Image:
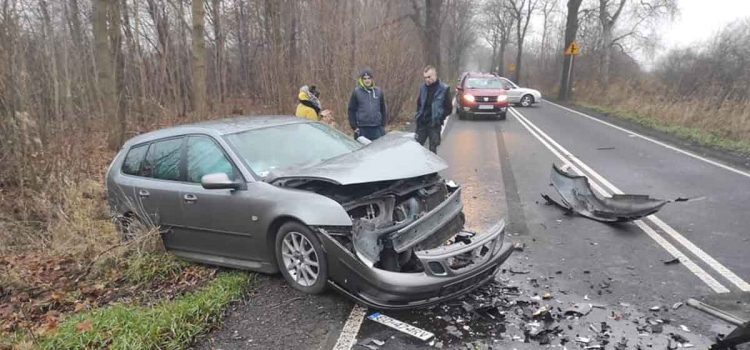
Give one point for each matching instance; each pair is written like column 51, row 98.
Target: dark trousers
column 372, row 133
column 425, row 131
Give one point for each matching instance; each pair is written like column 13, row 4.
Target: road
column 504, row 166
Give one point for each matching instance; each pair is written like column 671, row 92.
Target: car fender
column 310, row 208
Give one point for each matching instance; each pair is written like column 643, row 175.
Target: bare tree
column 498, row 31
column 638, row 13
column 428, row 25
column 571, row 29
column 198, row 57
column 459, row 32
column 521, row 10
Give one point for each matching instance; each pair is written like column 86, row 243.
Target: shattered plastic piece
column 580, row 309
column 739, row 335
column 541, row 311
column 655, row 308
column 672, row 261
column 577, row 196
column 684, row 328
column 584, row 340
column 676, row 306
column 547, row 296
column 378, row 342
column 519, row 246
column 401, row 326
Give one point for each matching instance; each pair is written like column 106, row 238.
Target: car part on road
column 716, row 312
column 578, row 197
column 739, row 335
column 401, row 326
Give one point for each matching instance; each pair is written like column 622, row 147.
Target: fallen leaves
column 85, row 326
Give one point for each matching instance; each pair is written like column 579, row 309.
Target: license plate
column 401, row 326
column 486, row 107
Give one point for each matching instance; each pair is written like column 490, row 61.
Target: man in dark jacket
column 433, row 106
column 367, row 115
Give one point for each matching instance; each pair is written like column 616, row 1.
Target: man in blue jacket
column 433, row 106
column 367, row 114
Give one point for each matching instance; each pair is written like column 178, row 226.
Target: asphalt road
column 503, row 167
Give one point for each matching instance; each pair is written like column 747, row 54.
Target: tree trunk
column 105, row 74
column 117, row 136
column 431, row 39
column 199, row 58
column 571, row 29
column 219, row 55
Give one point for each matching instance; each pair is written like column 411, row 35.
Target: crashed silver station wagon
column 271, row 194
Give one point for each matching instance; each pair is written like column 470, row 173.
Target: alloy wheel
column 300, row 259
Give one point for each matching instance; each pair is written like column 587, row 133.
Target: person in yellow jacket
column 309, row 104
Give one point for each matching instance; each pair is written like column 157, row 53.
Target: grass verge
column 171, row 324
column 695, row 135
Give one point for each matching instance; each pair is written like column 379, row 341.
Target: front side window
column 266, row 149
column 163, row 160
column 134, row 159
column 204, row 156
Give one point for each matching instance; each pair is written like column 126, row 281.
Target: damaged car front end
column 406, row 246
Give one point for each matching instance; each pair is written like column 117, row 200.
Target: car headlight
column 502, row 98
column 469, row 98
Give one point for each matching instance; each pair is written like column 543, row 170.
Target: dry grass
column 704, row 120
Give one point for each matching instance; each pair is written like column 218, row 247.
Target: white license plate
column 401, row 326
column 486, row 107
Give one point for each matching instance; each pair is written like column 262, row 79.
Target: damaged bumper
column 449, row 271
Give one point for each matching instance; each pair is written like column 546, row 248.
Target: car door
column 514, row 93
column 216, row 222
column 157, row 189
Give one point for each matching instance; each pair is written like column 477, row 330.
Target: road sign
column 573, row 49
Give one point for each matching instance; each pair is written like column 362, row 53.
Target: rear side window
column 163, row 160
column 204, row 156
column 134, row 159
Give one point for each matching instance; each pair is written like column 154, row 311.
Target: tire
column 527, row 100
column 298, row 249
column 502, row 116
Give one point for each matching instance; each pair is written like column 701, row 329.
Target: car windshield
column 266, row 149
column 484, row 83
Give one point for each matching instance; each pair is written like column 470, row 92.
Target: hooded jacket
column 367, row 107
column 309, row 106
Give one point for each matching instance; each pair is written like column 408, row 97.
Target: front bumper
column 484, row 109
column 389, row 290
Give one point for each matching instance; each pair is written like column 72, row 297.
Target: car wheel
column 527, row 100
column 301, row 258
column 502, row 116
column 130, row 227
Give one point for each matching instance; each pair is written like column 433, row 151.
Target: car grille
column 485, row 98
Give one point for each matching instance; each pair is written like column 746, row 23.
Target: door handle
column 190, row 198
column 143, row 193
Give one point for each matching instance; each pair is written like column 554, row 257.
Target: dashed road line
column 349, row 333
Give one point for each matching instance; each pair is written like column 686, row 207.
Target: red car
column 481, row 94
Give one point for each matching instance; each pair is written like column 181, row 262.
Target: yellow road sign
column 573, row 49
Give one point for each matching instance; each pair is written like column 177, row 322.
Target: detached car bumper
column 442, row 279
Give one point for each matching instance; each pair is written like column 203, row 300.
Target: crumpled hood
column 391, row 157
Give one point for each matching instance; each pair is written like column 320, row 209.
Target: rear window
column 484, row 83
column 134, row 159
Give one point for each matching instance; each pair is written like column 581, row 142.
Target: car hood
column 391, row 157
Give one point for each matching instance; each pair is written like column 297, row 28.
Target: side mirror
column 459, row 89
column 218, row 181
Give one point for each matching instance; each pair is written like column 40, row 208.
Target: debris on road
column 671, row 261
column 604, row 148
column 401, row 326
column 578, row 197
column 677, row 305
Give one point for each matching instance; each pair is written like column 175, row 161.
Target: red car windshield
column 484, row 83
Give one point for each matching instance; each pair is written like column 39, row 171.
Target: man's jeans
column 425, row 131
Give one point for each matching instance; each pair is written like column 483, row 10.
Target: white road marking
column 442, row 130
column 634, row 134
column 721, row 269
column 349, row 333
column 567, row 160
